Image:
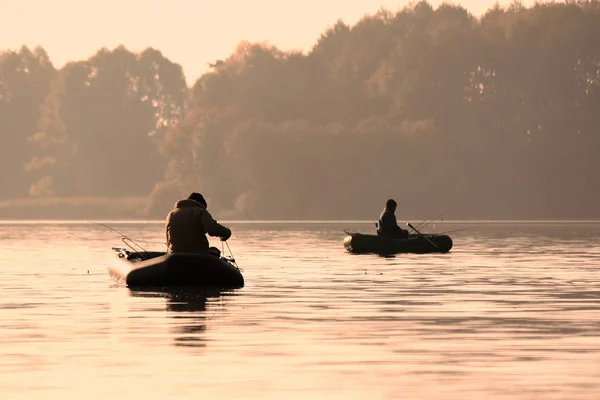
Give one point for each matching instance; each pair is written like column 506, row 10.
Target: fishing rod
column 422, row 222
column 429, row 220
column 421, row 235
column 425, row 222
column 123, row 236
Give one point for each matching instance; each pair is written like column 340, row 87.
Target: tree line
column 490, row 117
column 91, row 128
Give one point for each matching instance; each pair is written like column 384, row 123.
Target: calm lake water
column 512, row 312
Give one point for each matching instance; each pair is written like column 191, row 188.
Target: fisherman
column 188, row 223
column 387, row 225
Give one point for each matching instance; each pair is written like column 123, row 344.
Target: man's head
column 198, row 197
column 391, row 205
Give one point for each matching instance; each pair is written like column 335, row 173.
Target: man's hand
column 224, row 238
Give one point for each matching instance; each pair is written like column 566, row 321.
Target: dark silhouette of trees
column 490, row 117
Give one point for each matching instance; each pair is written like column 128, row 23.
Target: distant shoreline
column 132, row 210
column 132, row 221
column 73, row 208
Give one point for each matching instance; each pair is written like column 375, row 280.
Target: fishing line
column 454, row 230
column 232, row 256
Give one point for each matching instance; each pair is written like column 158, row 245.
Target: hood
column 188, row 203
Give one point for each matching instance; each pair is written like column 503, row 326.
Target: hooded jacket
column 187, row 225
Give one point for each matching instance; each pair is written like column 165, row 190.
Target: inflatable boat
column 159, row 269
column 424, row 243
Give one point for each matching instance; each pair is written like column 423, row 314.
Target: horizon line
column 292, row 221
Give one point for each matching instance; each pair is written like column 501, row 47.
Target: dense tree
column 489, row 117
column 101, row 121
column 24, row 81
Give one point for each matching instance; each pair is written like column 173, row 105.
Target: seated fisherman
column 188, row 223
column 387, row 225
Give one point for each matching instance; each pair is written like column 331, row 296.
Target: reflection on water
column 513, row 311
column 187, row 306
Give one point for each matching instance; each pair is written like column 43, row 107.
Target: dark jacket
column 388, row 226
column 187, row 225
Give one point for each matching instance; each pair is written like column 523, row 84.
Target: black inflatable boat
column 426, row 243
column 159, row 269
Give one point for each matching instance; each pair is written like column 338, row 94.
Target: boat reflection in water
column 188, row 307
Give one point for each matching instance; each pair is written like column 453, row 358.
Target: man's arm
column 397, row 227
column 389, row 223
column 213, row 228
column 393, row 225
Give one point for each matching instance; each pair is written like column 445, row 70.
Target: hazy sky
column 189, row 32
